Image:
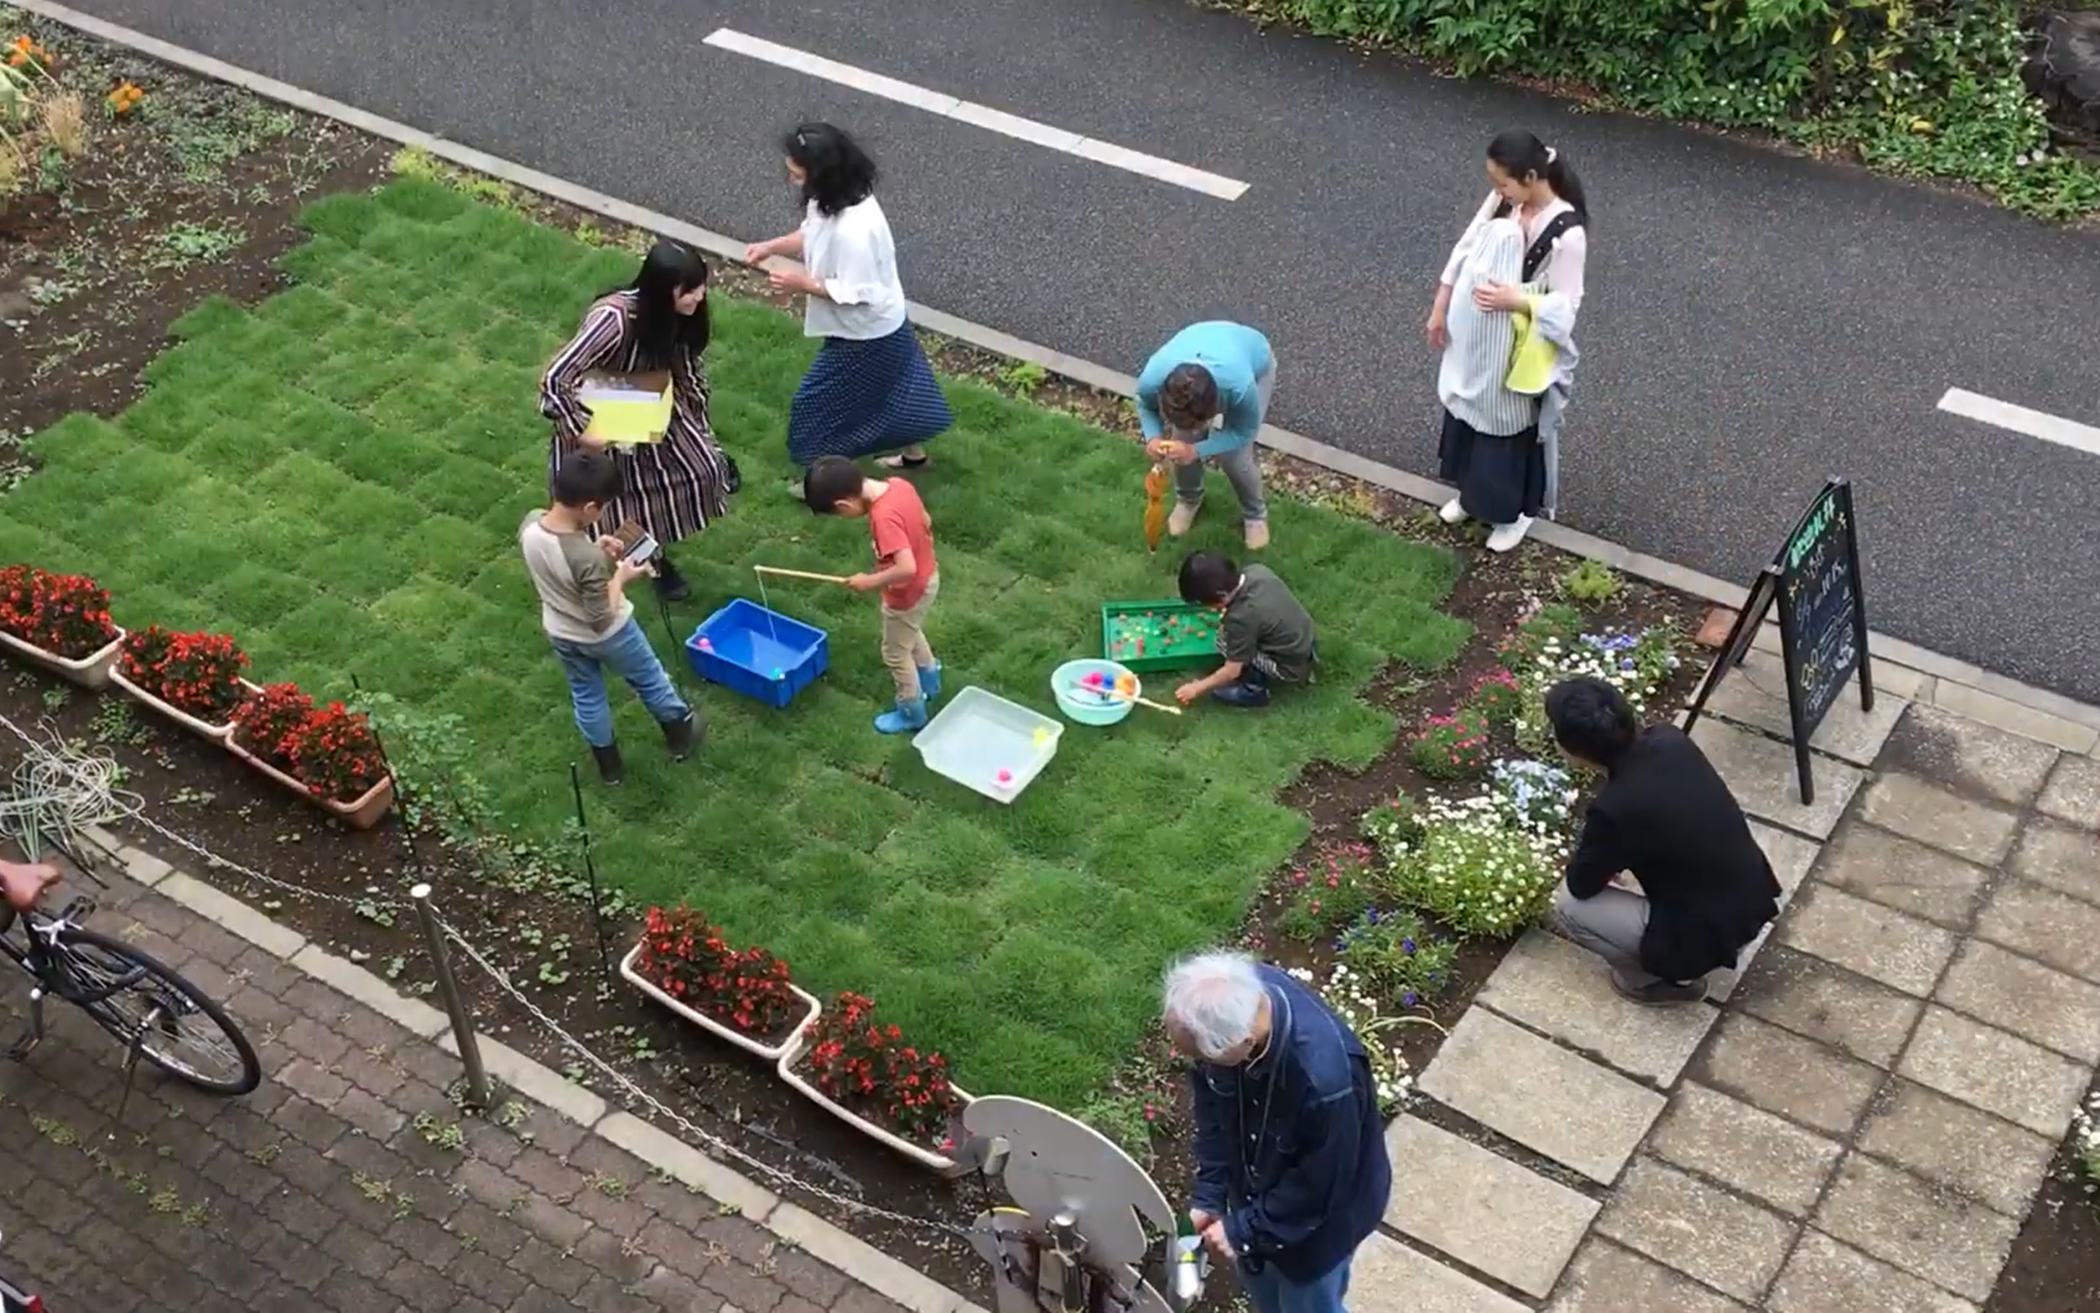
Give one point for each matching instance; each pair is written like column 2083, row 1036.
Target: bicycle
column 144, row 1004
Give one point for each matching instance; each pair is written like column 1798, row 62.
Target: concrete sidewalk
column 1862, row 1121
column 351, row 1182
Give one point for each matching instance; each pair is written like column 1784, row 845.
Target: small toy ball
column 1126, row 684
column 1004, row 777
column 1093, row 677
column 778, row 673
column 704, row 645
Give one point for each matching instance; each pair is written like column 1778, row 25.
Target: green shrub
column 1590, row 583
column 1453, row 747
column 1327, row 894
column 1477, row 874
column 1394, row 825
column 1930, row 87
column 1497, row 697
column 1395, row 952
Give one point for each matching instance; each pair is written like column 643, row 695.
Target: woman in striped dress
column 670, row 488
column 870, row 388
column 1526, row 247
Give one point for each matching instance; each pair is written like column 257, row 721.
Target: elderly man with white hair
column 1291, row 1166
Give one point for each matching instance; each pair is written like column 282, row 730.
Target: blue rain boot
column 904, row 718
column 930, row 681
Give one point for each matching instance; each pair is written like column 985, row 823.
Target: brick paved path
column 349, row 1181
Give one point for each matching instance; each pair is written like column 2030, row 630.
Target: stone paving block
column 2054, row 1010
column 1754, row 694
column 1761, row 772
column 2001, row 713
column 1901, row 873
column 1746, row 1148
column 1974, row 1153
column 1878, row 942
column 2073, row 792
column 2045, row 925
column 1918, row 1227
column 1554, row 987
column 1541, row 1095
column 1915, row 809
column 1387, row 1274
column 1482, row 1209
column 1969, row 757
column 1705, row 1233
column 1781, row 1072
column 1606, row 1278
column 2064, row 857
column 1824, row 1276
column 1851, row 1013
column 1979, row 1065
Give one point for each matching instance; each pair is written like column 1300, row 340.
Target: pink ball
column 1005, row 777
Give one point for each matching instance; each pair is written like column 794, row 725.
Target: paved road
column 1754, row 322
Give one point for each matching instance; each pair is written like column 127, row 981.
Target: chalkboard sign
column 1815, row 582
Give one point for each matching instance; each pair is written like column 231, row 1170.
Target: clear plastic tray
column 986, row 743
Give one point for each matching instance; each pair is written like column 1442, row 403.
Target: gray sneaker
column 1660, row 993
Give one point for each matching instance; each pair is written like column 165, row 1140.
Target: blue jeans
column 627, row 652
column 1272, row 1292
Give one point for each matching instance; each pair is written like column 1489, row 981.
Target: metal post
column 590, row 872
column 478, row 1095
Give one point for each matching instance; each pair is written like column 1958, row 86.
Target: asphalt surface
column 1754, row 322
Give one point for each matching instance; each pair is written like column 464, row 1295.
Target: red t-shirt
column 899, row 522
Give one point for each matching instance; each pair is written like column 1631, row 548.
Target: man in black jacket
column 1665, row 817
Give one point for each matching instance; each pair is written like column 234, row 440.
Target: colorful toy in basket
column 1161, row 635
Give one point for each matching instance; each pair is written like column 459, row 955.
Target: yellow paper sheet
column 625, row 415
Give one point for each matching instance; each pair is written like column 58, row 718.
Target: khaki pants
column 904, row 648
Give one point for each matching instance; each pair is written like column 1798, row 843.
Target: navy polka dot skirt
column 862, row 397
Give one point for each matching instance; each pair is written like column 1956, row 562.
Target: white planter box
column 719, row 1029
column 90, row 671
column 926, row 1157
column 219, row 734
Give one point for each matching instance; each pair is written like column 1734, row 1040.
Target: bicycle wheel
column 177, row 1027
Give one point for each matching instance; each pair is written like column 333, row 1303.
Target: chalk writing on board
column 1821, row 606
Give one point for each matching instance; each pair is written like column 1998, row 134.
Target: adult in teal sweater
column 1215, row 373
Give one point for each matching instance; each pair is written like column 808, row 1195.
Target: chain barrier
column 636, row 1094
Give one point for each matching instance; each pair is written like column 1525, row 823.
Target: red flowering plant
column 1453, row 747
column 335, row 753
column 267, row 717
column 66, row 615
column 689, row 959
column 195, row 673
column 858, row 1061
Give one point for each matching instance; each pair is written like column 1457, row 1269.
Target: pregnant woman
column 1524, row 252
column 870, row 388
column 673, row 487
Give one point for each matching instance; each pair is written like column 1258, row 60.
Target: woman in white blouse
column 1501, row 448
column 870, row 388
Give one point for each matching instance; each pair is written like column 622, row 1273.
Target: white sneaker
column 1507, row 536
column 1257, row 534
column 1452, row 512
column 1181, row 518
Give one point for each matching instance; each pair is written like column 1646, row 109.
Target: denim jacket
column 1290, row 1149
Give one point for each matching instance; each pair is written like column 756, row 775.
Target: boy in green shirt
column 1265, row 635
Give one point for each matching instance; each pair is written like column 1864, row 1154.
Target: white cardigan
column 855, row 257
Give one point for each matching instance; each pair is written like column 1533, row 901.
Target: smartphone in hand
column 641, row 552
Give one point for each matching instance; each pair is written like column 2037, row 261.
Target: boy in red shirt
column 905, row 572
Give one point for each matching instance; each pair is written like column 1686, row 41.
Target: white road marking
column 983, row 116
column 2019, row 419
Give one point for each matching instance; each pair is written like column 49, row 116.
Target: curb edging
column 599, row 1117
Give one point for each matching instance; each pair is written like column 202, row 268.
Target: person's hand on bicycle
column 22, row 884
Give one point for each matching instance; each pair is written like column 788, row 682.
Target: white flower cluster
column 1478, row 869
column 2085, row 1141
column 1355, row 1004
column 1636, row 664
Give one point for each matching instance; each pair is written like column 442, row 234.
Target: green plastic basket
column 1173, row 633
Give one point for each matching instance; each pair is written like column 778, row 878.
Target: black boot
column 732, row 477
column 670, row 585
column 683, row 737
column 609, row 768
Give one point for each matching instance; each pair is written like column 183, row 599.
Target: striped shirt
column 1470, row 379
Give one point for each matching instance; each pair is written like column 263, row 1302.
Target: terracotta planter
column 221, row 734
column 722, row 1030
column 925, row 1157
column 366, row 811
column 90, row 671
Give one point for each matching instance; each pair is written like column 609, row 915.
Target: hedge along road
column 1755, row 322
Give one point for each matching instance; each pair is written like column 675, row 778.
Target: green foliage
column 1924, row 87
column 380, row 541
column 1590, row 583
column 1396, row 953
column 1328, row 893
column 1394, row 824
column 1477, row 873
column 1497, row 697
column 1453, row 747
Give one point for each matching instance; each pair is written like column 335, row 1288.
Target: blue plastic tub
column 1089, row 706
column 759, row 653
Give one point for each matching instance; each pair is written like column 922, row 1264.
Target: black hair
column 1189, row 396
column 1522, row 155
column 839, row 172
column 586, row 477
column 1591, row 719
column 1207, row 578
column 830, row 481
column 669, row 269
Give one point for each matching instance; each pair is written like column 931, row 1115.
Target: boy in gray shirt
column 1266, row 635
column 584, row 608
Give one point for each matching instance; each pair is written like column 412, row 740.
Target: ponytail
column 1561, row 178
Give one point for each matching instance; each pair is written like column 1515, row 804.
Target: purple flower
column 1408, row 999
column 1407, row 945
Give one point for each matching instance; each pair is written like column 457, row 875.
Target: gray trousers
column 1609, row 925
column 1242, row 465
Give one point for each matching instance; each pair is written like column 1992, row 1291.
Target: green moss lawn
column 336, row 479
